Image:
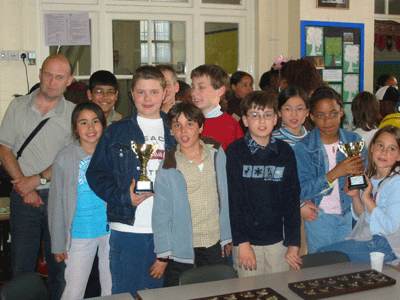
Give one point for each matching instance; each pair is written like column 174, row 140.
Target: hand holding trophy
column 357, row 181
column 144, row 152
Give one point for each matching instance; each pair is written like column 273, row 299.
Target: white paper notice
column 79, row 33
column 55, row 29
column 67, row 29
column 332, row 75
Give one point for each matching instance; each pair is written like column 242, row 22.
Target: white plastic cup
column 377, row 260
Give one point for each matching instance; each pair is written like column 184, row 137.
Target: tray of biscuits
column 258, row 294
column 342, row 284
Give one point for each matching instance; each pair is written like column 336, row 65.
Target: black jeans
column 210, row 256
column 28, row 224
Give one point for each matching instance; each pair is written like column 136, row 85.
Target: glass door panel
column 124, row 104
column 222, row 45
column 394, row 7
column 126, row 45
column 133, row 39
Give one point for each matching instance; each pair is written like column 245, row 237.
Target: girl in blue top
column 377, row 207
column 77, row 217
column 293, row 111
column 322, row 171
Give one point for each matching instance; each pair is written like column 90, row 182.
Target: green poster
column 333, row 52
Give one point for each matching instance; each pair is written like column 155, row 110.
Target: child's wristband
column 163, row 259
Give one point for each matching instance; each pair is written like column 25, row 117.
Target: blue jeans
column 131, row 257
column 327, row 229
column 28, row 224
column 359, row 251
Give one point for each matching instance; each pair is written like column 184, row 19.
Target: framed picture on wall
column 333, row 3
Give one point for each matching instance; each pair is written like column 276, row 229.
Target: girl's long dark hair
column 371, row 168
column 365, row 109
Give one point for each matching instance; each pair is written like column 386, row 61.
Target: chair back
column 26, row 286
column 206, row 274
column 323, row 259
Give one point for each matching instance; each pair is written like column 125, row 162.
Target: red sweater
column 224, row 129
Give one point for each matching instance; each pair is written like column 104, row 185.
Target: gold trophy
column 357, row 181
column 144, row 152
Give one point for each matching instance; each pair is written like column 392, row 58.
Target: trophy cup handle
column 362, row 144
column 342, row 149
column 134, row 147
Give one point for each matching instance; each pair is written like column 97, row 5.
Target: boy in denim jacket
column 112, row 175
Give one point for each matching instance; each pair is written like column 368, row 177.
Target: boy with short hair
column 171, row 79
column 112, row 174
column 191, row 214
column 264, row 193
column 209, row 84
column 103, row 90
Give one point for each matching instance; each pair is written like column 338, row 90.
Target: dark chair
column 26, row 286
column 322, row 259
column 206, row 274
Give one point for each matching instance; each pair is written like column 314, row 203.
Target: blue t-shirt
column 90, row 220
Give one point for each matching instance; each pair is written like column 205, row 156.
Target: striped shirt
column 287, row 136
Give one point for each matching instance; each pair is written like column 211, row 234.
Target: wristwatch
column 43, row 180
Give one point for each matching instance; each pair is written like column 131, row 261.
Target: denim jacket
column 114, row 165
column 313, row 165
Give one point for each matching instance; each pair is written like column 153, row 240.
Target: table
column 278, row 282
column 125, row 296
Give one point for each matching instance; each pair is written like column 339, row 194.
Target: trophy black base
column 144, row 187
column 357, row 182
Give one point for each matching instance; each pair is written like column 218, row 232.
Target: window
column 161, row 42
column 126, row 34
column 387, row 7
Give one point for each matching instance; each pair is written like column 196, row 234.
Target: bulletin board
column 337, row 50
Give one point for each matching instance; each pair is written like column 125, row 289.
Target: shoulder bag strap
column 30, row 137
